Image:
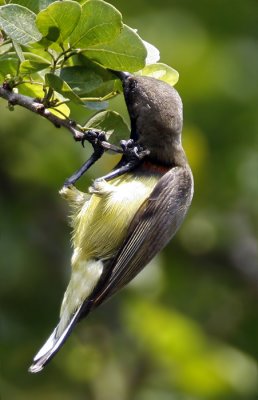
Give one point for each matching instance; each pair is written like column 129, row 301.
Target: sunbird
column 120, row 224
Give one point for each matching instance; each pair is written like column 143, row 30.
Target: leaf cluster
column 63, row 52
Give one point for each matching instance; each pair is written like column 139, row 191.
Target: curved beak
column 120, row 74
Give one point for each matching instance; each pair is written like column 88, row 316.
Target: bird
column 120, row 224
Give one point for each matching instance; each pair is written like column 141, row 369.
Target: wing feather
column 153, row 226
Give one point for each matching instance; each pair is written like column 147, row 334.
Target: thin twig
column 37, row 107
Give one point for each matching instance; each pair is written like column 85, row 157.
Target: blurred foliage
column 187, row 327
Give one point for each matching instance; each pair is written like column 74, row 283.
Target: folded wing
column 153, row 226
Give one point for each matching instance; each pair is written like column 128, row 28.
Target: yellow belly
column 100, row 223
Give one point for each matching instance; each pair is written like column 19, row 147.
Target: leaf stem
column 28, row 81
column 104, row 98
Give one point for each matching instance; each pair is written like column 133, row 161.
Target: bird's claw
column 133, row 150
column 94, row 137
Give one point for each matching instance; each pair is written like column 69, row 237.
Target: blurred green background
column 187, row 327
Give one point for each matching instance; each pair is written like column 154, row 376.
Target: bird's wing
column 153, row 226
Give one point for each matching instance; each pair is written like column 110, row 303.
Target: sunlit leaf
column 39, row 50
column 62, row 111
column 36, row 91
column 8, row 65
column 153, row 54
column 5, row 48
column 110, row 122
column 32, row 89
column 100, row 22
column 58, row 20
column 19, row 23
column 44, row 3
column 33, row 63
column 126, row 52
column 162, row 72
column 33, row 5
column 18, row 50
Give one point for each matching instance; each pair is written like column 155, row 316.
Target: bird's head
column 156, row 113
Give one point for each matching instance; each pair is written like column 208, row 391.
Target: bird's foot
column 132, row 150
column 95, row 137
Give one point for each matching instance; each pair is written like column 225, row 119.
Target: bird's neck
column 168, row 156
column 178, row 155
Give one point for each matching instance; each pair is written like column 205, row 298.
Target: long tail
column 54, row 343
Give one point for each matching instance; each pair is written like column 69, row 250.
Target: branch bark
column 37, row 107
column 132, row 151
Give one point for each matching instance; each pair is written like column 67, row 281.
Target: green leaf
column 5, row 48
column 110, row 122
column 32, row 89
column 39, row 50
column 62, row 110
column 33, row 63
column 100, row 22
column 8, row 66
column 89, row 65
column 162, row 72
column 36, row 91
column 58, row 20
column 105, row 91
column 126, row 52
column 60, row 86
column 19, row 24
column 86, row 82
column 44, row 4
column 80, row 79
column 18, row 51
column 96, row 105
column 88, row 79
column 33, row 5
column 153, row 54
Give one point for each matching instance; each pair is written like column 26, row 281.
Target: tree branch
column 37, row 107
column 133, row 153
